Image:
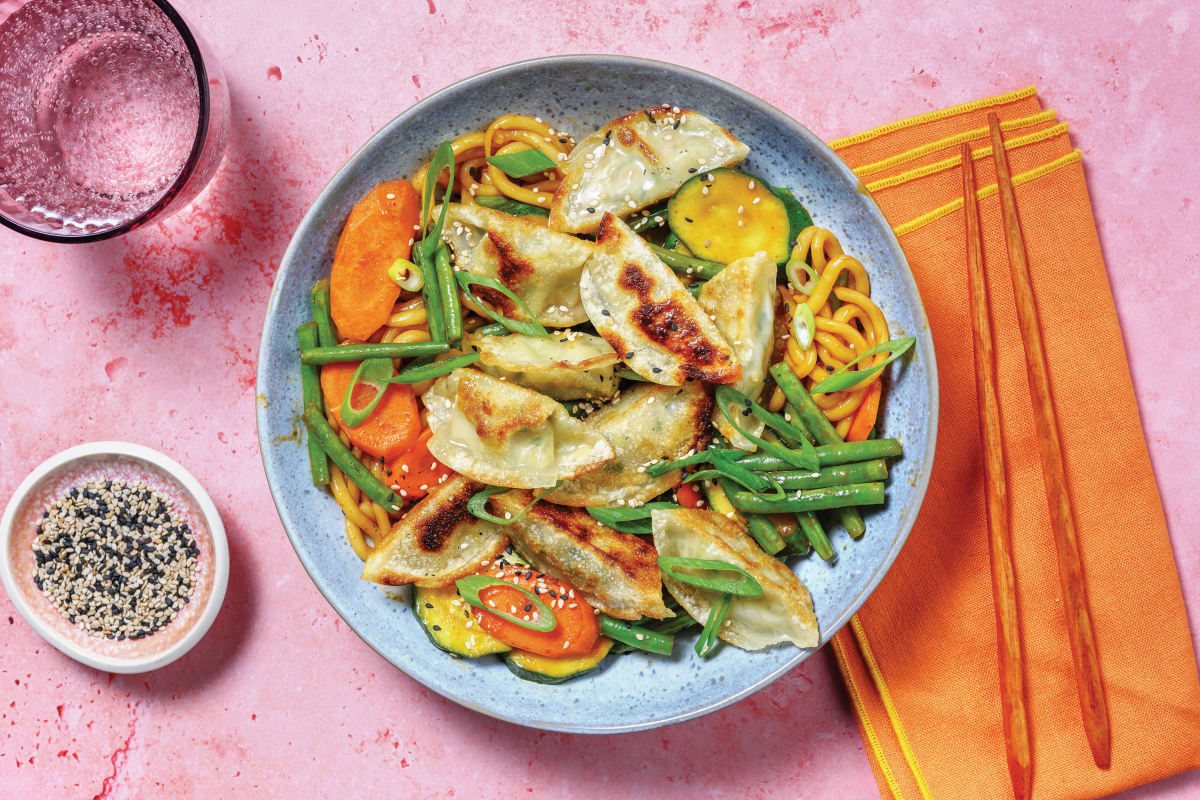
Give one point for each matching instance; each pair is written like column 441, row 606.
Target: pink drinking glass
column 112, row 113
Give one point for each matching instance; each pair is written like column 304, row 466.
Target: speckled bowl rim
column 216, row 531
column 924, row 348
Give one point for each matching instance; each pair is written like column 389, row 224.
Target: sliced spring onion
column 542, row 619
column 443, row 159
column 406, row 275
column 509, row 206
column 416, row 373
column 804, row 325
column 794, row 268
column 844, row 379
column 491, row 329
column 628, row 519
column 805, row 458
column 477, row 505
column 522, row 163
column 372, row 372
column 699, row 457
column 716, row 617
column 745, row 586
column 630, row 375
column 530, row 328
column 636, row 636
column 727, row 468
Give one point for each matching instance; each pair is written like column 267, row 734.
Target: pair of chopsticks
column 1070, row 566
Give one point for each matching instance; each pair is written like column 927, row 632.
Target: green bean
column 636, row 636
column 789, row 413
column 310, row 384
column 327, row 437
column 688, row 265
column 814, row 532
column 630, row 375
column 319, row 300
column 670, row 242
column 653, row 218
column 759, row 527
column 803, row 406
column 830, row 455
column 694, row 289
column 358, row 352
column 431, row 292
column 855, row 494
column 448, row 288
column 764, row 533
column 820, row 427
column 859, row 472
column 800, row 542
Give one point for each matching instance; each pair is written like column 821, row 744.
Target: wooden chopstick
column 1004, row 588
column 1088, row 681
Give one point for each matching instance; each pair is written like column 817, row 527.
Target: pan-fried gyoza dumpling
column 637, row 160
column 570, row 365
column 645, row 312
column 438, row 541
column 784, row 612
column 647, row 423
column 615, row 572
column 505, row 435
column 741, row 301
column 538, row 265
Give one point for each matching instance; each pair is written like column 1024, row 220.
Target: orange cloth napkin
column 920, row 658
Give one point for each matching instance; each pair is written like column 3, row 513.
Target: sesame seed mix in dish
column 586, row 396
column 113, row 557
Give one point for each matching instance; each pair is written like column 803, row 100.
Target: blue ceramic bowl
column 579, row 94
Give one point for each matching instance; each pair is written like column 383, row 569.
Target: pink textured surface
column 153, row 339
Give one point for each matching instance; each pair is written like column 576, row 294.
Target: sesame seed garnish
column 115, row 559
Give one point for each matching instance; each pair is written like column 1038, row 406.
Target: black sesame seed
column 436, row 627
column 656, row 370
column 606, row 312
column 591, row 210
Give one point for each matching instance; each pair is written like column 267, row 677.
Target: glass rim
column 189, row 166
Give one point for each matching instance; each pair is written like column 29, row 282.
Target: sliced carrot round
column 380, row 229
column 415, row 471
column 577, row 628
column 393, row 426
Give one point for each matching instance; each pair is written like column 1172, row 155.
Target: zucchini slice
column 539, row 669
column 706, row 211
column 446, row 624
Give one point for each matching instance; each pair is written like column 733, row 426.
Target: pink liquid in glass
column 100, row 111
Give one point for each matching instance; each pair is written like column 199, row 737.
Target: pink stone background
column 153, row 338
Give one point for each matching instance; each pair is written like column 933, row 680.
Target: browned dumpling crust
column 437, row 542
column 615, row 572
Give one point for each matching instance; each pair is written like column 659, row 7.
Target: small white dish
column 114, row 459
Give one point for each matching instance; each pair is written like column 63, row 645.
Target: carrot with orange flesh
column 688, row 496
column 393, row 426
column 868, row 412
column 576, row 630
column 379, row 230
column 415, row 471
